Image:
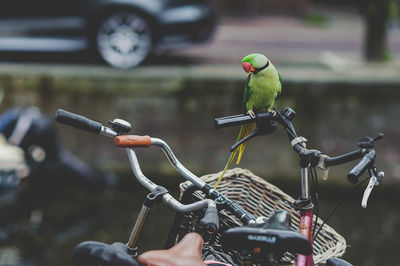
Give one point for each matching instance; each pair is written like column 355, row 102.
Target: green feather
column 246, row 95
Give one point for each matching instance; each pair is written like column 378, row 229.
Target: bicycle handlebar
column 127, row 141
column 344, row 158
column 210, row 221
column 312, row 156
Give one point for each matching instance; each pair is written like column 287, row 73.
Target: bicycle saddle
column 272, row 237
column 96, row 253
column 186, row 252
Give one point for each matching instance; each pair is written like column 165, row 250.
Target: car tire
column 123, row 39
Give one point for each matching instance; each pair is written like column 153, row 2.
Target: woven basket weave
column 260, row 198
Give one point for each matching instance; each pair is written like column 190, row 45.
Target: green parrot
column 263, row 86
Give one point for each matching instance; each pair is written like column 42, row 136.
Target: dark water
column 71, row 215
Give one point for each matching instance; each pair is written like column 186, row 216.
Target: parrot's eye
column 252, row 58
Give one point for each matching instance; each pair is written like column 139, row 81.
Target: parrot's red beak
column 247, row 67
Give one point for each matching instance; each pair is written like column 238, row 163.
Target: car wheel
column 124, row 39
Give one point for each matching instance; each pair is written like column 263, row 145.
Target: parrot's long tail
column 228, row 163
column 244, row 131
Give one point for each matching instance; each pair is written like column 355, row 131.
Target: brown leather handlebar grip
column 130, row 141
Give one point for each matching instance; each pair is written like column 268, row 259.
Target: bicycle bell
column 121, row 126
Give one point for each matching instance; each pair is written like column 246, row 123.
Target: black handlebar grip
column 232, row 120
column 77, row 121
column 359, row 169
column 210, row 221
column 236, row 120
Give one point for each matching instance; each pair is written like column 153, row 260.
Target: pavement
column 291, row 40
column 301, row 52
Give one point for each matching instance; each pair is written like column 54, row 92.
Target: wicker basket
column 261, row 198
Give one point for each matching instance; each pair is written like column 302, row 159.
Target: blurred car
column 122, row 32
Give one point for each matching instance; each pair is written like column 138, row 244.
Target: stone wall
column 180, row 107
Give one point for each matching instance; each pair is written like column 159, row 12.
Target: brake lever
column 373, row 181
column 264, row 126
column 251, row 135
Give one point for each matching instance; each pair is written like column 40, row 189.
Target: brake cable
column 338, row 205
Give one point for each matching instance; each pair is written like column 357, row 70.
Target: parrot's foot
column 273, row 112
column 251, row 113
